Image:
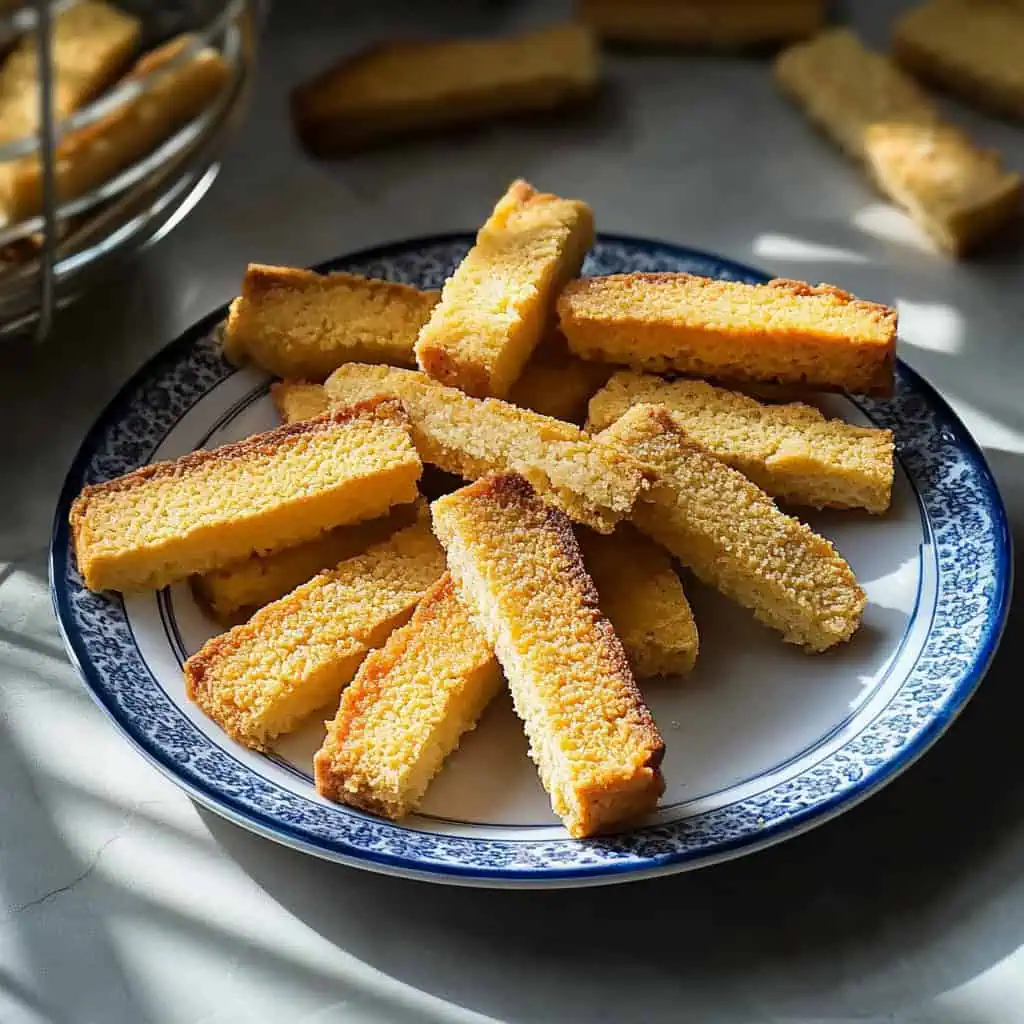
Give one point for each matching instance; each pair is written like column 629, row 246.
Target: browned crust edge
column 262, row 278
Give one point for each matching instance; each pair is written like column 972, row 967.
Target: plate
column 763, row 741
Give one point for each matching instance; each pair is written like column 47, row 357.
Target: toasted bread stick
column 235, row 593
column 400, row 89
column 643, row 598
column 700, row 23
column 208, row 509
column 879, row 116
column 297, row 323
column 263, row 678
column 729, row 532
column 784, row 331
column 498, row 303
column 972, row 49
column 791, row 450
column 91, row 43
column 518, row 568
column 408, row 707
column 471, row 437
column 87, row 157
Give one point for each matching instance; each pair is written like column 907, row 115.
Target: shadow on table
column 909, row 895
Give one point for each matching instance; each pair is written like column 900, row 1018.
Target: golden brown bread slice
column 298, row 323
column 408, row 707
column 399, row 89
column 207, row 509
column 791, row 451
column 783, row 331
column 639, row 591
column 972, row 49
column 878, row 115
column 264, row 678
column 716, row 23
column 499, row 301
column 593, row 484
column 89, row 156
column 729, row 532
column 297, row 400
column 235, row 593
column 91, row 43
column 518, row 568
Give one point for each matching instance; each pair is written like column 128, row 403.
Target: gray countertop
column 124, row 902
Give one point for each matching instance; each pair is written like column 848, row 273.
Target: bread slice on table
column 733, row 537
column 91, row 42
column 960, row 194
column 786, row 332
column 789, row 450
column 89, row 156
column 498, row 303
column 703, row 23
column 411, row 88
column 518, row 568
column 264, row 678
column 971, row 49
column 408, row 707
column 301, row 324
column 470, row 437
column 208, row 509
column 639, row 591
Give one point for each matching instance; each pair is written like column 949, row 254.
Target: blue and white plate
column 763, row 741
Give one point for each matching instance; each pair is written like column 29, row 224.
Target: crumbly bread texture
column 783, row 331
column 791, row 451
column 235, row 593
column 518, row 568
column 208, row 509
column 592, row 483
column 91, row 44
column 557, row 383
column 264, row 678
column 408, row 707
column 975, row 50
column 297, row 400
column 642, row 596
column 730, row 533
column 400, row 89
column 878, row 115
column 693, row 23
column 297, row 323
column 89, row 156
column 498, row 303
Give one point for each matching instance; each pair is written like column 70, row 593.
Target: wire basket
column 58, row 254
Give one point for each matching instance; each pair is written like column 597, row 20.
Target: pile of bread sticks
column 551, row 572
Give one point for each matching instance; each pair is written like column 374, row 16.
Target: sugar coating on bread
column 208, row 509
column 971, row 49
column 498, row 302
column 959, row 193
column 407, row 708
column 791, row 450
column 703, row 22
column 235, row 593
column 88, row 157
column 783, row 331
column 640, row 592
column 557, row 383
column 263, row 678
column 301, row 324
column 731, row 534
column 519, row 571
column 470, row 437
column 91, row 42
column 408, row 88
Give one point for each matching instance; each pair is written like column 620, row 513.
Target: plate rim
column 554, row 877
